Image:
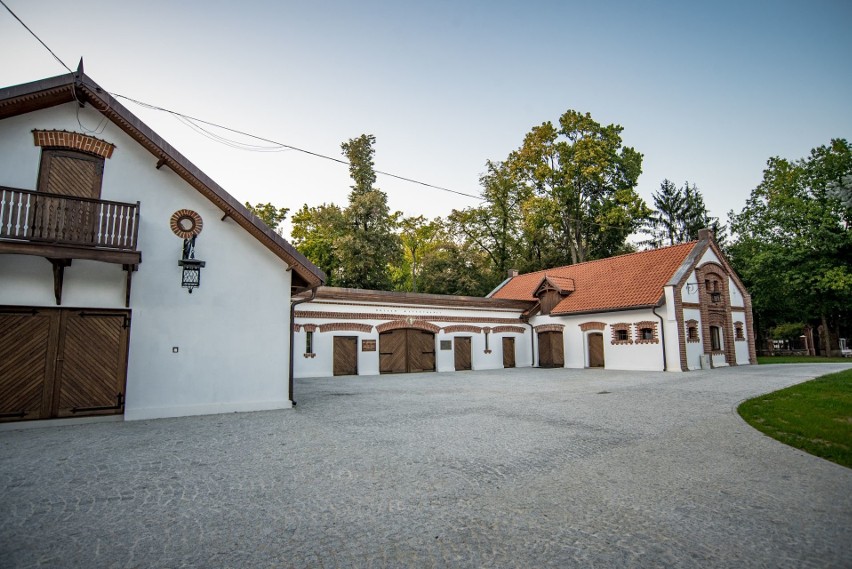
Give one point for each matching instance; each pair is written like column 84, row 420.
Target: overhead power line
column 56, row 57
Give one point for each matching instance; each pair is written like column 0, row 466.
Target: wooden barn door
column 596, row 353
column 551, row 352
column 65, row 363
column 25, row 347
column 345, row 355
column 406, row 350
column 508, row 352
column 462, row 352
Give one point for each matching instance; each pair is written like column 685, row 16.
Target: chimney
column 513, row 273
column 705, row 234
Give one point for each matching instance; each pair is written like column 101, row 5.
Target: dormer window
column 551, row 290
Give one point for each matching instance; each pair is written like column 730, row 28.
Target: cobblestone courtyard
column 514, row 468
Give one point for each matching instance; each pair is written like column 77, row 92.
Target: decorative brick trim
column 586, row 326
column 462, row 328
column 639, row 326
column 510, row 329
column 73, row 141
column 297, row 327
column 738, row 332
column 408, row 323
column 550, row 328
column 369, row 316
column 716, row 313
column 309, row 327
column 692, row 324
column 614, row 328
column 749, row 318
column 345, row 327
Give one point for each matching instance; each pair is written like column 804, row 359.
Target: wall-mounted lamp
column 187, row 224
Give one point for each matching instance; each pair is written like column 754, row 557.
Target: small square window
column 621, row 335
column 646, row 334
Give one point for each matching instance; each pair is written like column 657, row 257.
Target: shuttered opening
column 406, row 350
column 551, row 350
column 508, row 352
column 345, row 355
column 62, row 362
column 596, row 353
column 462, row 353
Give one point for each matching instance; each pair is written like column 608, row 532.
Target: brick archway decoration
column 346, row 327
column 73, row 141
column 415, row 324
column 586, row 326
column 510, row 329
column 462, row 328
column 550, row 328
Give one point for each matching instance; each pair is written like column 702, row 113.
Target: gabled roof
column 628, row 281
column 563, row 285
column 331, row 293
column 53, row 91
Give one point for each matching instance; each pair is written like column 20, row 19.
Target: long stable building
column 676, row 308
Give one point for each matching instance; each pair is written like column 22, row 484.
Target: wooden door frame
column 589, row 350
column 334, row 345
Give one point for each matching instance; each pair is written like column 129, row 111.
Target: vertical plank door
column 345, row 355
column 462, row 353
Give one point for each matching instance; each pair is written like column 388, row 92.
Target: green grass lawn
column 815, row 416
column 801, row 360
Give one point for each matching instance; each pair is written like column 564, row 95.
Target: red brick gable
column 626, row 281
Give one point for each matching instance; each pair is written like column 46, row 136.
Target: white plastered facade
column 223, row 348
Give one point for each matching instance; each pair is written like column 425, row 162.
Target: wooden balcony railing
column 67, row 220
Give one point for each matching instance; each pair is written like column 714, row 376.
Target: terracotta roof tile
column 636, row 279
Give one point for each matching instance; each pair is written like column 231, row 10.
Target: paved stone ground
column 514, row 468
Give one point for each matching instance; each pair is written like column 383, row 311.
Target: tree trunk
column 826, row 336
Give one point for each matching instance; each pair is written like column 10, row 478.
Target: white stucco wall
column 616, row 356
column 322, row 365
column 694, row 350
column 231, row 333
column 740, row 346
column 735, row 293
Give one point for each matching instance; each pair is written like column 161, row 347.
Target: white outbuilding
column 130, row 282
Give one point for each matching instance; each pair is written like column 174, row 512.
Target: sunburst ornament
column 186, row 223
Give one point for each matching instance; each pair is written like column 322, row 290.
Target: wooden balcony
column 57, row 226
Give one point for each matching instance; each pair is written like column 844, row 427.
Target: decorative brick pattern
column 462, row 328
column 647, row 325
column 716, row 312
column 510, row 329
column 297, row 327
column 692, row 331
column 309, row 327
column 615, row 328
column 73, row 141
column 550, row 328
column 749, row 318
column 586, row 326
column 738, row 332
column 345, row 327
column 409, row 323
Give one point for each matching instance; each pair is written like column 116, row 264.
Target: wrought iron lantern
column 187, row 224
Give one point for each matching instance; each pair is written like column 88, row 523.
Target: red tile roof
column 635, row 279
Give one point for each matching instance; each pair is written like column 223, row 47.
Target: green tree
column 417, row 236
column 495, row 228
column 678, row 215
column 792, row 241
column 315, row 233
column 589, row 178
column 368, row 246
column 453, row 268
column 269, row 214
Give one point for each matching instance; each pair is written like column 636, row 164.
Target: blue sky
column 706, row 91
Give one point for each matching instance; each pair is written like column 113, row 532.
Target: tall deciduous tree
column 417, row 236
column 269, row 214
column 369, row 245
column 315, row 233
column 793, row 244
column 589, row 177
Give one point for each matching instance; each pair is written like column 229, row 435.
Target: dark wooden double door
column 406, row 350
column 62, row 362
column 551, row 349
